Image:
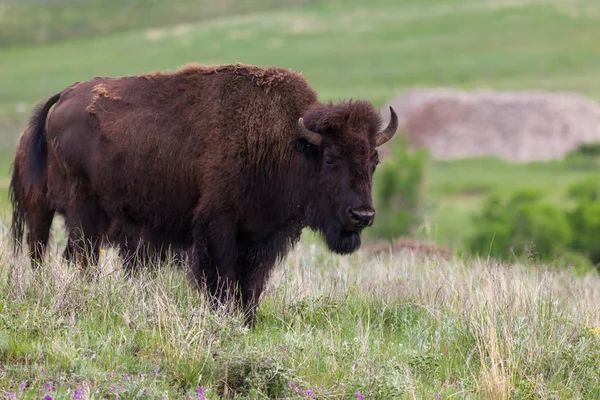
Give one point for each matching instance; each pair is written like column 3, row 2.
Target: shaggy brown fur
column 213, row 158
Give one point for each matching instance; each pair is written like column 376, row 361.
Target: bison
column 231, row 161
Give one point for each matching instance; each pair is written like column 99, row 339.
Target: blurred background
column 497, row 155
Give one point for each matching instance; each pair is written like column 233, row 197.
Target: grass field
column 42, row 21
column 329, row 327
column 367, row 50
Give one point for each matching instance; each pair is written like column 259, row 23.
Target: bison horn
column 386, row 134
column 311, row 137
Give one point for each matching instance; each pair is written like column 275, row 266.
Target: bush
column 397, row 188
column 585, row 157
column 252, row 374
column 586, row 150
column 584, row 218
column 521, row 226
column 578, row 263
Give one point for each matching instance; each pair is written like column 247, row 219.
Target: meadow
column 329, row 327
column 371, row 50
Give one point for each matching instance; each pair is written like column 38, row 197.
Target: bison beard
column 338, row 239
column 231, row 161
column 342, row 241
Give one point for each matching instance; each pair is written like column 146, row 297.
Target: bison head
column 340, row 143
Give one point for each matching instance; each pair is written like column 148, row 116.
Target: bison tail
column 37, row 156
column 38, row 147
column 18, row 217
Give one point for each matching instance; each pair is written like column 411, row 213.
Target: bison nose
column 362, row 217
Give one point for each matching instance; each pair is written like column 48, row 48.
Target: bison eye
column 328, row 160
column 375, row 159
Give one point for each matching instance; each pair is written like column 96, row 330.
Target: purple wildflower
column 200, row 393
column 47, row 397
column 49, row 386
column 438, row 396
column 291, row 384
column 343, row 386
column 23, row 385
column 155, row 371
column 78, row 395
column 111, row 375
column 309, row 393
column 297, row 389
column 11, row 396
column 359, row 396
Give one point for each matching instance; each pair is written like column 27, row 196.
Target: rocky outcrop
column 517, row 126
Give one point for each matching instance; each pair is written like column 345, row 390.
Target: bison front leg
column 254, row 266
column 256, row 261
column 252, row 286
column 212, row 261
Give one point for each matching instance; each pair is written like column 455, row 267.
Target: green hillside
column 371, row 50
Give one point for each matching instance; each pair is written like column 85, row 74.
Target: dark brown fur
column 32, row 208
column 212, row 158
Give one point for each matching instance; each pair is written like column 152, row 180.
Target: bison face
column 341, row 152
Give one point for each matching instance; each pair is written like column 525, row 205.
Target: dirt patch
column 407, row 244
column 516, row 126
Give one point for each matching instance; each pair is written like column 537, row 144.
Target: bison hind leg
column 82, row 248
column 138, row 253
column 39, row 223
column 86, row 223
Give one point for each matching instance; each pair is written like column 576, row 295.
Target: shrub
column 521, row 226
column 397, row 189
column 584, row 218
column 252, row 374
column 578, row 263
column 586, row 150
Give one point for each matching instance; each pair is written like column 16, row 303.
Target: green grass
column 346, row 49
column 400, row 328
column 371, row 50
column 39, row 21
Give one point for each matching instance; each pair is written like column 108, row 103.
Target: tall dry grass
column 398, row 326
